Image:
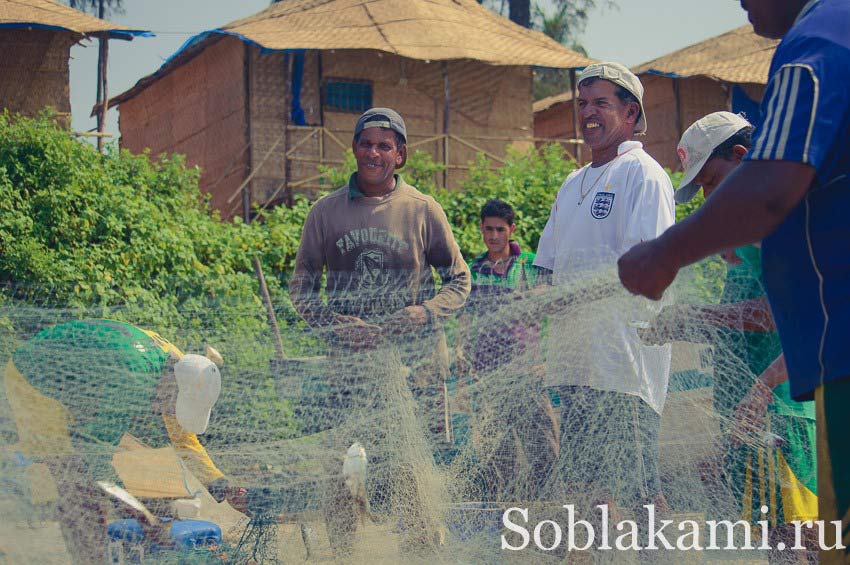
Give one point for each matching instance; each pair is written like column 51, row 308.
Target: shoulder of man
column 410, row 192
column 526, row 257
column 477, row 260
column 330, row 199
column 826, row 20
column 646, row 166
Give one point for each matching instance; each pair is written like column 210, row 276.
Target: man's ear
column 632, row 113
column 738, row 152
column 401, row 158
column 511, row 230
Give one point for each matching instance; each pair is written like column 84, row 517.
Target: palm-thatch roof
column 432, row 30
column 549, row 101
column 427, row 30
column 738, row 56
column 47, row 14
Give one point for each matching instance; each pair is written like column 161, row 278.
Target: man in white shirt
column 610, row 388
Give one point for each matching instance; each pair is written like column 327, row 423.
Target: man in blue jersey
column 792, row 192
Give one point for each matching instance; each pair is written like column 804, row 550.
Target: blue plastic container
column 186, row 534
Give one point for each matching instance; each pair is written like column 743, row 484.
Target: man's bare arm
column 749, row 316
column 747, row 206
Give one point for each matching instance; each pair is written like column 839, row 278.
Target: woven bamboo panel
column 181, row 113
column 34, row 68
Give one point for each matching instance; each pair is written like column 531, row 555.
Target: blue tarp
column 741, row 103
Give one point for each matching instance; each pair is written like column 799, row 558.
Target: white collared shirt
column 632, row 201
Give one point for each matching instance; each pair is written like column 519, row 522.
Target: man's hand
column 355, row 333
column 237, row 497
column 406, row 320
column 644, row 270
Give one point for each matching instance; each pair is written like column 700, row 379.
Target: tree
column 569, row 18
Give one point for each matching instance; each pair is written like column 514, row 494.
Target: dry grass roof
column 53, row 15
column 738, row 56
column 549, row 101
column 432, row 30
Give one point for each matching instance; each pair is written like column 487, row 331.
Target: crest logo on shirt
column 371, row 271
column 602, row 204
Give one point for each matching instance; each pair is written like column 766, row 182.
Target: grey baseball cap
column 381, row 118
column 621, row 76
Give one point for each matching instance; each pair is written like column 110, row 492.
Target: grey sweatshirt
column 378, row 253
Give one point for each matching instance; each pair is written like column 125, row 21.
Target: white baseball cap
column 621, row 76
column 198, row 387
column 697, row 144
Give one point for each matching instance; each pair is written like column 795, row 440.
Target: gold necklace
column 589, row 190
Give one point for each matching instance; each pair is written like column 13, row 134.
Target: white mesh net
column 406, row 447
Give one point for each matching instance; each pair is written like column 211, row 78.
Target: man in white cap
column 609, row 386
column 751, row 389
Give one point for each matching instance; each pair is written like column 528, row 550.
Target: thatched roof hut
column 260, row 102
column 36, row 38
column 726, row 72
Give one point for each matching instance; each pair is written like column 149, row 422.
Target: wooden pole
column 267, row 300
column 446, row 110
column 727, row 94
column 246, row 190
column 574, row 89
column 103, row 52
column 288, row 196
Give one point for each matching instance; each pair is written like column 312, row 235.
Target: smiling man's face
column 606, row 121
column 378, row 156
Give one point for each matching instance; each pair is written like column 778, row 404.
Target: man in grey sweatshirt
column 377, row 239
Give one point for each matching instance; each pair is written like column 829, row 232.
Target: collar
column 515, row 251
column 806, row 9
column 627, row 146
column 355, row 192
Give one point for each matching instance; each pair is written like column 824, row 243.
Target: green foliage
column 129, row 238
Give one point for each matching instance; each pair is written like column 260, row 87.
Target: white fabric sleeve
column 653, row 210
column 545, row 256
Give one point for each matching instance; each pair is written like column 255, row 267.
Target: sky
column 634, row 32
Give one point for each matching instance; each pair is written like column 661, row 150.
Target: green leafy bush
column 125, row 237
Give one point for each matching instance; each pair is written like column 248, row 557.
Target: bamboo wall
column 486, row 102
column 198, row 110
column 34, row 70
column 201, row 109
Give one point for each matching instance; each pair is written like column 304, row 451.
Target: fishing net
column 410, row 445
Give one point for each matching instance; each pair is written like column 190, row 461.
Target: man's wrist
column 669, row 250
